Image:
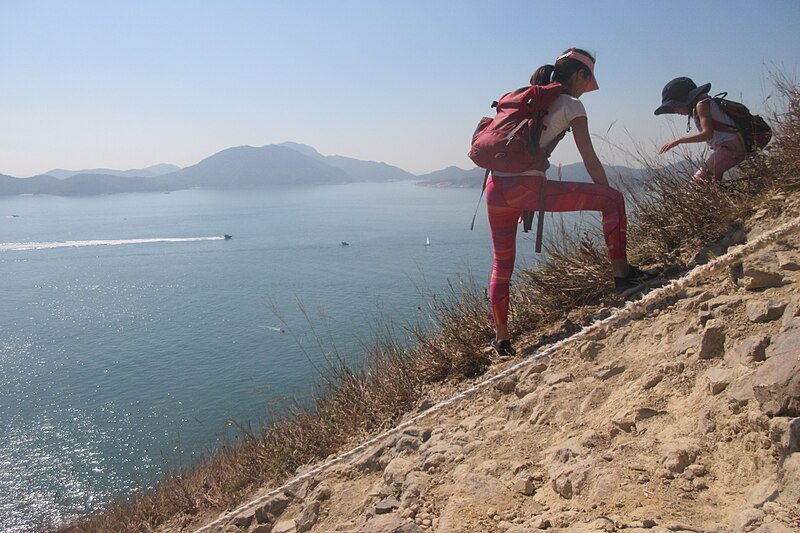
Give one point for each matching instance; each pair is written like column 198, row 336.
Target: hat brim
column 668, row 107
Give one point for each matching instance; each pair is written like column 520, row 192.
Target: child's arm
column 580, row 132
column 703, row 110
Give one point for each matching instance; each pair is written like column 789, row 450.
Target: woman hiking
column 509, row 195
column 683, row 97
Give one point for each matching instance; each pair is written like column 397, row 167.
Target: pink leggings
column 508, row 196
column 724, row 157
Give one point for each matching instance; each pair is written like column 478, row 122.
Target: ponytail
column 562, row 70
column 543, row 75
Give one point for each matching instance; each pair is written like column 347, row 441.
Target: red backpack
column 509, row 142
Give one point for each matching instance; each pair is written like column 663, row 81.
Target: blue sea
column 131, row 331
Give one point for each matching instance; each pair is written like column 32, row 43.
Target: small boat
column 227, row 237
column 427, row 241
column 345, row 243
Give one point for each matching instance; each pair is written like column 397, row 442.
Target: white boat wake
column 18, row 246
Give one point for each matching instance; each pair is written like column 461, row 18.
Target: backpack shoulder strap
column 483, row 189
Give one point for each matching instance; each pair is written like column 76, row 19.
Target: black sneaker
column 503, row 348
column 636, row 279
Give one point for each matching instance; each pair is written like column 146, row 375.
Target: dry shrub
column 460, row 325
column 784, row 160
column 575, row 273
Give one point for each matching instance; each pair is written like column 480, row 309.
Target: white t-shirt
column 559, row 117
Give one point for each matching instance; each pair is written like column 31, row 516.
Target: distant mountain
column 283, row 165
column 453, row 177
column 149, row 172
column 79, row 185
column 459, row 178
column 246, row 166
column 356, row 168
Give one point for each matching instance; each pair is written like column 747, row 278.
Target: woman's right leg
column 503, row 225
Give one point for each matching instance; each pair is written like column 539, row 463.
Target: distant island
column 275, row 165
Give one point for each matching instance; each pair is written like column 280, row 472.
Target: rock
column 763, row 492
column 507, row 385
column 697, row 470
column 686, row 343
column 740, row 391
column 788, row 261
column 533, row 370
column 370, row 460
column 759, row 311
column 609, row 371
column 245, row 518
column 775, row 527
column 522, row 407
column 590, row 350
column 759, row 275
column 321, row 493
column 784, row 343
column 390, row 523
column 677, row 455
column 791, row 315
column 407, row 443
column 540, row 522
column 308, row 518
column 624, row 421
column 785, row 434
column 397, row 469
column 651, row 379
column 712, row 341
column 423, row 434
column 271, row 508
column 523, row 484
column 789, row 480
column 256, row 528
column 776, row 385
column 568, row 481
column 748, row 350
column 746, row 519
column 415, row 484
column 285, row 526
column 387, row 505
column 718, row 379
column 554, row 378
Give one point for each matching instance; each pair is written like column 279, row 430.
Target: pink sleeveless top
column 718, row 115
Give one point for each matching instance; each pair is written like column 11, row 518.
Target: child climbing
column 509, row 194
column 683, row 97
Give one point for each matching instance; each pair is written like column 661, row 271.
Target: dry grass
column 669, row 220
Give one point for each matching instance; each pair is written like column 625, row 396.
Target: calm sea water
column 130, row 331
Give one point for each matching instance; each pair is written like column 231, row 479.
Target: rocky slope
column 682, row 417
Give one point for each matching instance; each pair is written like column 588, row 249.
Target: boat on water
column 345, row 243
column 427, row 241
column 227, row 236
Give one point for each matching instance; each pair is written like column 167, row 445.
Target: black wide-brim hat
column 680, row 92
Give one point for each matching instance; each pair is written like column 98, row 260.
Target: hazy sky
column 87, row 84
